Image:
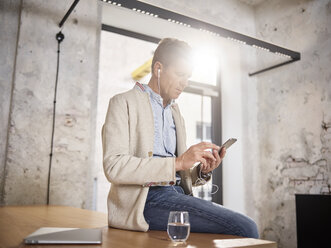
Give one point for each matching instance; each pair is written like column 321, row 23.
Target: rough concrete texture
column 9, row 19
column 294, row 117
column 32, row 105
column 252, row 2
column 224, row 14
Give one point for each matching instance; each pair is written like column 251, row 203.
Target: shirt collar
column 152, row 94
column 156, row 97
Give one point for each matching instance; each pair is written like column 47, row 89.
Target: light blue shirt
column 164, row 126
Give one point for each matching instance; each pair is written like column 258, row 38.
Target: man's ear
column 157, row 69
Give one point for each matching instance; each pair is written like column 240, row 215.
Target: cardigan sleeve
column 195, row 176
column 121, row 167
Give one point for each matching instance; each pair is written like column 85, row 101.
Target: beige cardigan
column 127, row 138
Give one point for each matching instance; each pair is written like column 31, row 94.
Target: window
column 203, row 130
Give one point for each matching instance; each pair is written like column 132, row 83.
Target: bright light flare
column 205, row 65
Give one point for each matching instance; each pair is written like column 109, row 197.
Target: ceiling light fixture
column 215, row 31
column 212, row 29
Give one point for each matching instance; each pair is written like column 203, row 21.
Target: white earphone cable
column 158, row 81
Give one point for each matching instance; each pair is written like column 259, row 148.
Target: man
column 146, row 160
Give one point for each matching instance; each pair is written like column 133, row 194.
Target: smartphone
column 227, row 144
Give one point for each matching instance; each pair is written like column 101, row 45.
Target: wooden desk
column 16, row 222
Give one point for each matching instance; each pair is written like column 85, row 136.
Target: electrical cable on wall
column 59, row 37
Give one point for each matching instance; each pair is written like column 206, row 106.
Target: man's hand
column 212, row 165
column 198, row 153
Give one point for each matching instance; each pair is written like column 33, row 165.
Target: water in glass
column 178, row 226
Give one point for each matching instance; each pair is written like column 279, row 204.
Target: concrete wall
column 34, row 70
column 294, row 117
column 9, row 19
column 224, row 14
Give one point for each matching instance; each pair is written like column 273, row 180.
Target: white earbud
column 158, row 73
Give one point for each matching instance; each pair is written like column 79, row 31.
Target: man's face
column 174, row 78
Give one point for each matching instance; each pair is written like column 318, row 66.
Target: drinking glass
column 178, row 226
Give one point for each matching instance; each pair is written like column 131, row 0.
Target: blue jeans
column 205, row 216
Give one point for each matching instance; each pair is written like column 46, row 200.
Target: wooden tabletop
column 16, row 222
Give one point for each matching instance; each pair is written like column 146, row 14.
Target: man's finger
column 216, row 154
column 208, row 155
column 207, row 145
column 223, row 152
column 204, row 163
